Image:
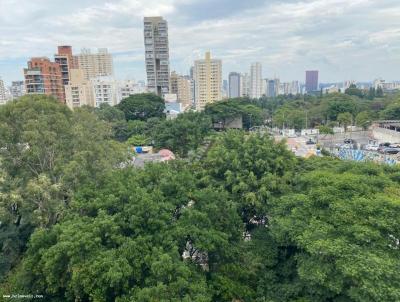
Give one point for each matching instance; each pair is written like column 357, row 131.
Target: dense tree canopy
column 245, row 221
column 142, row 106
column 225, row 111
column 340, row 231
column 46, row 153
column 391, row 112
column 353, row 90
column 185, row 133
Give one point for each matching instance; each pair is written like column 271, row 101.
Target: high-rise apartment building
column 234, row 85
column 78, row 92
column 208, row 81
column 272, row 87
column 44, row 77
column 181, row 86
column 3, row 96
column 192, row 84
column 289, row 88
column 157, row 54
column 67, row 61
column 245, row 85
column 17, row 89
column 311, row 80
column 256, row 81
column 94, row 65
column 104, row 91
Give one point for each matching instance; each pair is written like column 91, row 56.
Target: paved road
column 299, row 147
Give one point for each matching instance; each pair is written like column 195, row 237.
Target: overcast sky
column 344, row 39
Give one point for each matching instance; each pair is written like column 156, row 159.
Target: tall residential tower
column 67, row 61
column 208, row 81
column 3, row 98
column 234, row 85
column 95, row 65
column 256, row 81
column 156, row 54
column 311, row 80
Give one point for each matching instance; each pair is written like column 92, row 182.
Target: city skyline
column 342, row 40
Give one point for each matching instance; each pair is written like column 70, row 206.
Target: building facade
column 225, row 89
column 95, row 65
column 272, row 87
column 181, row 86
column 67, row 61
column 157, row 55
column 234, row 85
column 78, row 92
column 311, row 80
column 256, row 81
column 245, row 85
column 208, row 81
column 3, row 95
column 17, row 89
column 129, row 87
column 44, row 77
column 104, row 91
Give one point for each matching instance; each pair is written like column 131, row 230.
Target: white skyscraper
column 156, row 54
column 256, row 81
column 3, row 96
column 245, row 85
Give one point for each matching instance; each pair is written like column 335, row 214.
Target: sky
column 343, row 39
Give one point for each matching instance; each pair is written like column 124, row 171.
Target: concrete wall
column 386, row 135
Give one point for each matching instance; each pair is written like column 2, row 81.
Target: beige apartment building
column 181, row 86
column 78, row 92
column 94, row 65
column 208, row 81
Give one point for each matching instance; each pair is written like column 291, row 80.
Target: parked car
column 349, row 141
column 310, row 142
column 371, row 147
column 346, row 146
column 382, row 147
column 389, row 150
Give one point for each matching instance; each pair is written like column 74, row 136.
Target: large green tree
column 46, row 153
column 185, row 133
column 146, row 235
column 224, row 112
column 345, row 119
column 363, row 120
column 142, row 106
column 339, row 234
column 253, row 169
column 391, row 112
